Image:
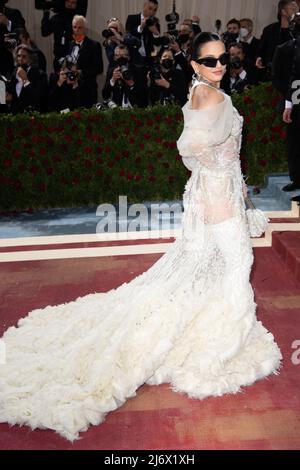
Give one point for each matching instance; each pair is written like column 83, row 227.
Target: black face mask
column 167, row 63
column 236, row 63
column 122, row 61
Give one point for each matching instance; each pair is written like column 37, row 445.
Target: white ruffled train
column 190, row 321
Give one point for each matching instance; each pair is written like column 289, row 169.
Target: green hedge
column 90, row 157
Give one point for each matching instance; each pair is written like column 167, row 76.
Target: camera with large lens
column 155, row 72
column 126, row 72
column 108, row 33
column 68, row 63
column 131, row 41
column 106, row 104
column 152, row 21
column 294, row 25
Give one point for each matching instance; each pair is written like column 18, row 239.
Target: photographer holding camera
column 125, row 84
column 27, row 89
column 114, row 36
column 10, row 19
column 88, row 64
column 180, row 45
column 145, row 26
column 63, row 88
column 60, row 24
column 166, row 83
column 239, row 77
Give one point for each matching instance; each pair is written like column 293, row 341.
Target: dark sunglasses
column 212, row 61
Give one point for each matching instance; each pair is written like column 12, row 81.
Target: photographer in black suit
column 125, row 86
column 166, row 83
column 145, row 26
column 285, row 71
column 60, row 24
column 10, row 19
column 63, row 89
column 274, row 35
column 88, row 63
column 27, row 90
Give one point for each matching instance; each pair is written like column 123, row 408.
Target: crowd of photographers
column 145, row 66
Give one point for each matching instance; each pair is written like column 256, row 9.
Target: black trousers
column 293, row 144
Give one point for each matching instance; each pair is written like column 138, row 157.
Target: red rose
column 283, row 135
column 33, row 170
column 76, row 115
column 88, row 163
column 7, row 163
column 264, row 140
column 17, row 153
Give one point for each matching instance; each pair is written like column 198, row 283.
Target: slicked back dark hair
column 200, row 40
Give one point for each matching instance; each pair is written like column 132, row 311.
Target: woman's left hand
column 245, row 190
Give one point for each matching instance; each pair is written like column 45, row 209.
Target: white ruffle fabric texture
column 189, row 321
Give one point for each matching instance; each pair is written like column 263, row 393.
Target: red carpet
column 265, row 416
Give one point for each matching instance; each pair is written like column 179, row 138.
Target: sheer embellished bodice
column 189, row 321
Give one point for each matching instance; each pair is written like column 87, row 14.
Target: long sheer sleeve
column 204, row 130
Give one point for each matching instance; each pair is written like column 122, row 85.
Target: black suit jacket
column 90, row 62
column 132, row 24
column 137, row 94
column 286, row 67
column 61, row 26
column 272, row 36
column 252, row 49
column 15, row 17
column 33, row 96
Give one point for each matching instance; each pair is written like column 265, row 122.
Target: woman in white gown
column 189, row 321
